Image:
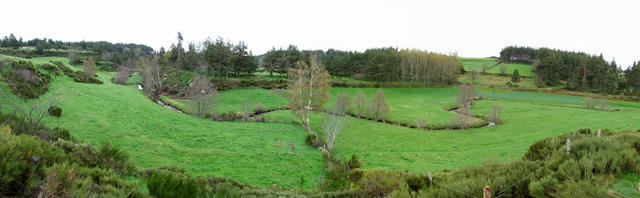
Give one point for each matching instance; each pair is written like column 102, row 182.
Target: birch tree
column 360, row 102
column 333, row 124
column 152, row 75
column 308, row 90
column 203, row 96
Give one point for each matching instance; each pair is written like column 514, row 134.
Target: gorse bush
column 55, row 111
column 52, row 165
column 51, row 69
column 23, row 160
column 26, row 81
column 167, row 184
column 78, row 76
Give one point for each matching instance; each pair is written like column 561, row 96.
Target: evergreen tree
column 515, row 77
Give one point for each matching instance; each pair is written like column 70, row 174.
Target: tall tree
column 515, row 77
column 379, row 109
column 308, row 90
column 89, row 67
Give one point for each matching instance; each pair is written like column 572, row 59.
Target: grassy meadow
column 275, row 152
column 154, row 136
column 475, row 64
column 524, row 123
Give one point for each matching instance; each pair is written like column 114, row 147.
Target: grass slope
column 255, row 153
column 526, row 120
column 475, row 64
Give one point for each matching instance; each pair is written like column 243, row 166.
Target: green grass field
column 495, row 80
column 475, row 64
column 256, row 153
column 526, row 119
column 260, row 153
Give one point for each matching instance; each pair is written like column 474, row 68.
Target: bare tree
column 152, row 75
column 420, row 123
column 203, row 96
column 73, row 56
column 466, row 94
column 89, row 68
column 341, row 106
column 474, row 76
column 360, row 102
column 258, row 107
column 308, row 90
column 333, row 124
column 35, row 111
column 494, row 114
column 25, row 74
column 464, row 119
column 106, row 56
column 379, row 109
column 124, row 71
column 503, row 69
column 605, row 105
column 485, row 67
column 246, row 111
column 590, row 103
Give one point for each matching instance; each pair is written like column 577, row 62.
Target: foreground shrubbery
column 25, row 80
column 43, row 162
column 546, row 170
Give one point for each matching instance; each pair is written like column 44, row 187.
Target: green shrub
column 51, row 69
column 70, row 180
column 22, row 162
column 19, row 126
column 168, row 184
column 26, row 81
column 55, row 111
column 380, row 182
column 80, row 77
column 77, row 76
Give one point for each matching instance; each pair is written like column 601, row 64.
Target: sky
column 470, row 28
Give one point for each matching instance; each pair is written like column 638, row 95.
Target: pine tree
column 515, row 77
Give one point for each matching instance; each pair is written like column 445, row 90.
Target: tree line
column 101, row 50
column 580, row 71
column 376, row 64
column 214, row 57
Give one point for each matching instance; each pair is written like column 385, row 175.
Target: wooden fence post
column 486, row 192
column 568, row 146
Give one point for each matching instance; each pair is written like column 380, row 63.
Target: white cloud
column 471, row 28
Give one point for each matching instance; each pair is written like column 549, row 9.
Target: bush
column 55, row 111
column 70, row 180
column 494, row 114
column 228, row 116
column 589, row 103
column 166, row 184
column 26, row 81
column 51, row 69
column 605, row 105
column 380, row 182
column 80, row 76
column 311, row 140
column 22, row 162
column 258, row 107
column 77, row 76
column 420, row 123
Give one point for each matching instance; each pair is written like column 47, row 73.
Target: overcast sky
column 471, row 28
